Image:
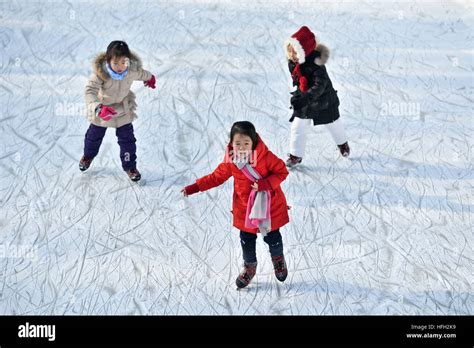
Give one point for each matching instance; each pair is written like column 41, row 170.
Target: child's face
column 119, row 64
column 292, row 53
column 242, row 144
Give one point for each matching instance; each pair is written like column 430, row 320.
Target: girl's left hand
column 261, row 185
column 151, row 82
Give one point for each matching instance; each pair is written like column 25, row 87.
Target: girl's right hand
column 190, row 190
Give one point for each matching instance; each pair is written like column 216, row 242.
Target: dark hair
column 244, row 128
column 117, row 49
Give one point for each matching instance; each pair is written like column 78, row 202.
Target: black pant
column 126, row 140
column 273, row 239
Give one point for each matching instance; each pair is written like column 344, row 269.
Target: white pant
column 299, row 130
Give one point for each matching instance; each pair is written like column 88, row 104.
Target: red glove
column 264, row 185
column 191, row 189
column 106, row 112
column 151, row 82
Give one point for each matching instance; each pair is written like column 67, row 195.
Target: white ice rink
column 388, row 231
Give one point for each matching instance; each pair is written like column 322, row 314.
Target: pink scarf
column 258, row 214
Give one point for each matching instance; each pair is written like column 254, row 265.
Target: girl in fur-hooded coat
column 111, row 104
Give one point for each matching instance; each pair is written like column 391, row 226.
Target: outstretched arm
column 147, row 77
column 142, row 75
column 220, row 175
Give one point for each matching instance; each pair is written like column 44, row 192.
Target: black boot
column 85, row 163
column 293, row 160
column 344, row 149
column 134, row 174
column 247, row 274
column 279, row 265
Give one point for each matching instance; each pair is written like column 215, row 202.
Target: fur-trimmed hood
column 323, row 54
column 100, row 69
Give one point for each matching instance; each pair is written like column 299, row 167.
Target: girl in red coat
column 259, row 204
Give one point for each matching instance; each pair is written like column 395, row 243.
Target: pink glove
column 151, row 82
column 106, row 112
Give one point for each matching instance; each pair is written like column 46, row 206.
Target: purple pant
column 126, row 141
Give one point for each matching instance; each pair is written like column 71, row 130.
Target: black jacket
column 320, row 102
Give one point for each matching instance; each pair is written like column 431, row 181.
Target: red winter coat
column 270, row 167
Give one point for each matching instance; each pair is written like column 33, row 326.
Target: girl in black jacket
column 315, row 100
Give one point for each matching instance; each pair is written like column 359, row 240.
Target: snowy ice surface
column 388, row 231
